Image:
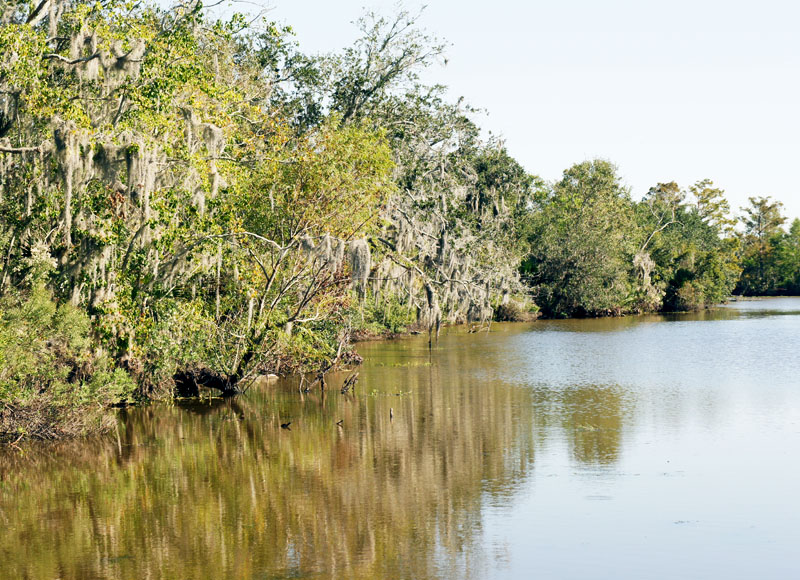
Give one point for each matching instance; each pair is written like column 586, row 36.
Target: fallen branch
column 350, row 383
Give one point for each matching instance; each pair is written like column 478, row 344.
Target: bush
column 52, row 382
column 514, row 311
column 384, row 315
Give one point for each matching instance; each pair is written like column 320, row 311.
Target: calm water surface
column 654, row 447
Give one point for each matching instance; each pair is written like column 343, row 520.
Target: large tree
column 166, row 164
column 448, row 245
column 582, row 243
column 688, row 253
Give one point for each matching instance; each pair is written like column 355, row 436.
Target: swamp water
column 640, row 447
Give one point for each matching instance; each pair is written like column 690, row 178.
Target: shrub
column 385, row 315
column 514, row 311
column 52, row 382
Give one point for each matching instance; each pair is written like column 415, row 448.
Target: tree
column 712, row 207
column 657, row 212
column 689, row 260
column 763, row 218
column 762, row 222
column 582, row 244
column 296, row 223
column 789, row 258
column 193, row 204
column 384, row 61
column 446, row 248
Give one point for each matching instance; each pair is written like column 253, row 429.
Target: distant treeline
column 187, row 200
column 594, row 251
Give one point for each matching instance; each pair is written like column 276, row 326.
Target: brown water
column 636, row 447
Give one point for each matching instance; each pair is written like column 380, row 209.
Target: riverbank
column 56, row 386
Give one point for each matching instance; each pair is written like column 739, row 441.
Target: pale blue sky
column 677, row 90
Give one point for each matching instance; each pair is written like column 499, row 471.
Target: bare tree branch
column 65, row 60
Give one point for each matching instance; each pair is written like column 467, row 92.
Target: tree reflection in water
column 218, row 489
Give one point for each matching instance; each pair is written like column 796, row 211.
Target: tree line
column 190, row 200
column 595, row 251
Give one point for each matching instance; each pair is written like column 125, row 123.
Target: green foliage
column 51, row 379
column 384, row 313
column 331, row 180
column 765, row 269
column 199, row 193
column 712, row 206
column 596, row 252
column 451, row 232
column 384, row 62
column 581, row 243
column 184, row 175
column 694, row 256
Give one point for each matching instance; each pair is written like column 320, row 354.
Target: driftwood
column 350, row 383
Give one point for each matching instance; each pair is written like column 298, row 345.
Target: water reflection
column 497, row 451
column 218, row 489
column 594, row 418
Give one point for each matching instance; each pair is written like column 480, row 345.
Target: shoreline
column 42, row 422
